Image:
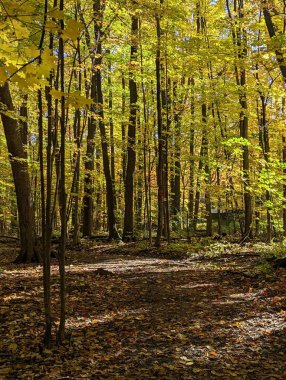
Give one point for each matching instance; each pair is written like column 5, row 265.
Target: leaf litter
column 140, row 316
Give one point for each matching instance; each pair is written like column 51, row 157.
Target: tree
column 19, row 165
column 128, row 229
column 240, row 42
column 98, row 9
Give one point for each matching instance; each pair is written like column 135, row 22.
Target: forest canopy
column 170, row 114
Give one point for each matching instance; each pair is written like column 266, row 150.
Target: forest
column 143, row 189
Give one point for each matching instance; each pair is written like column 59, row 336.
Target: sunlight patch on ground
column 264, row 324
column 192, row 286
column 81, row 322
column 245, row 339
column 140, row 265
column 237, row 298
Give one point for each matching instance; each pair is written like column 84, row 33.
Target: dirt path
column 151, row 318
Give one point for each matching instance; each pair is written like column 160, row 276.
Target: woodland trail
column 147, row 318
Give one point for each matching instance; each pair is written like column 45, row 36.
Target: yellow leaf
column 20, row 30
column 48, row 63
column 56, row 13
column 56, row 94
column 77, row 100
column 72, row 30
column 3, row 75
column 51, row 26
column 31, row 52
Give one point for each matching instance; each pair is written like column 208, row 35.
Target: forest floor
column 214, row 313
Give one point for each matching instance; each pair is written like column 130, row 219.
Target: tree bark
column 110, row 195
column 160, row 137
column 62, row 186
column 21, row 179
column 272, row 33
column 128, row 229
column 176, row 180
column 239, row 40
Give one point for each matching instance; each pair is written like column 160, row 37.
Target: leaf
column 20, row 30
column 56, row 13
column 3, row 75
column 56, row 94
column 187, row 361
column 48, row 62
column 77, row 100
column 72, row 30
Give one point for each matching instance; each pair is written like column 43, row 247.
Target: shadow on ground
column 147, row 318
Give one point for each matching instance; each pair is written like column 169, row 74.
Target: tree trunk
column 128, row 229
column 160, row 137
column 239, row 40
column 62, row 187
column 207, row 171
column 88, row 181
column 21, row 179
column 192, row 160
column 176, row 181
column 110, row 195
column 272, row 33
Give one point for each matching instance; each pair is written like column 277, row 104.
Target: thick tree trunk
column 21, row 179
column 272, row 33
column 282, row 65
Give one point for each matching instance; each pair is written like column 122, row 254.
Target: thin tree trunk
column 146, row 158
column 24, row 123
column 110, row 196
column 123, row 129
column 111, row 124
column 160, row 137
column 87, row 217
column 192, row 160
column 239, row 40
column 62, row 188
column 88, row 176
column 176, row 182
column 128, row 229
column 77, row 137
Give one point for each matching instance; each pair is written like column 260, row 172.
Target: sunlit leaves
column 3, row 75
column 72, row 30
